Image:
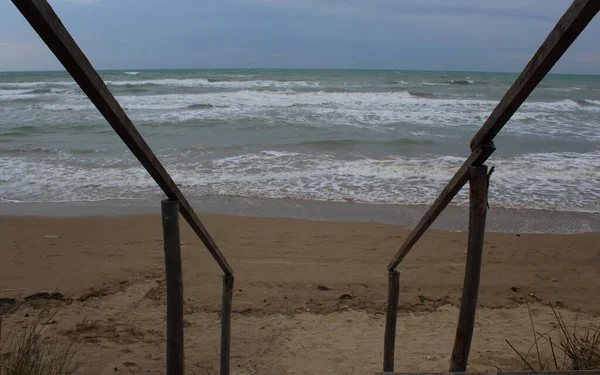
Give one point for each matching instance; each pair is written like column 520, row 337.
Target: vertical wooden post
column 466, row 321
column 170, row 221
column 226, row 324
column 390, row 320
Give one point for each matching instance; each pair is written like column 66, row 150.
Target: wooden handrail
column 568, row 28
column 49, row 27
column 477, row 157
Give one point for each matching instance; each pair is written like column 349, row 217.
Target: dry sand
column 110, row 272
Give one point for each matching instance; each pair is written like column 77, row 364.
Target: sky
column 461, row 35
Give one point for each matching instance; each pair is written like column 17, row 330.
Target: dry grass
column 578, row 347
column 27, row 353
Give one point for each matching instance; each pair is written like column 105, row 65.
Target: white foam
column 563, row 181
column 562, row 105
column 37, row 84
column 377, row 111
column 173, row 82
column 6, row 95
column 202, row 82
column 68, row 107
column 563, row 89
column 13, row 92
column 132, row 73
column 264, row 84
column 189, row 82
column 460, row 81
column 435, row 84
column 238, row 75
column 30, row 93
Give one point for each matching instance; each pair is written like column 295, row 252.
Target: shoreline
column 454, row 218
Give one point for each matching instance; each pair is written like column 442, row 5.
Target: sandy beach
column 309, row 295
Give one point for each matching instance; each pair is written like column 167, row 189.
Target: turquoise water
column 391, row 137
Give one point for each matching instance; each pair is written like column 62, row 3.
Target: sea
column 379, row 137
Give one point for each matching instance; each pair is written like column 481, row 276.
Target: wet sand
column 453, row 218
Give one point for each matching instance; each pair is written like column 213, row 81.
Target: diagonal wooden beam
column 477, row 157
column 568, row 28
column 46, row 23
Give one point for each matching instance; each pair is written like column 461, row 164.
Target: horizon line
column 279, row 68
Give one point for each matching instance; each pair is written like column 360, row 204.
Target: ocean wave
column 36, row 84
column 4, row 92
column 266, row 84
column 243, row 99
column 562, row 181
column 395, row 82
column 588, row 102
column 239, row 75
column 564, row 105
column 131, row 73
column 426, row 95
column 11, row 95
column 461, row 81
column 174, row 82
column 30, row 94
column 29, row 91
column 48, row 151
column 200, row 106
column 337, row 89
column 357, row 109
column 203, row 82
column 435, row 84
column 349, row 143
column 560, row 89
column 42, row 91
column 451, row 82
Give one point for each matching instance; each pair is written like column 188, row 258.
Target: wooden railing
column 568, row 28
column 49, row 27
column 46, row 23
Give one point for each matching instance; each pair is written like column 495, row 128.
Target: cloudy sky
column 470, row 35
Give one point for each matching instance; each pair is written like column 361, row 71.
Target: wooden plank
column 477, row 157
column 46, row 23
column 568, row 28
column 391, row 319
column 466, row 320
column 174, row 281
column 226, row 324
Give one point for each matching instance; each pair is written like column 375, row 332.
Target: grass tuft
column 27, row 353
column 579, row 348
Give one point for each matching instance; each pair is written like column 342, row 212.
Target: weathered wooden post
column 478, row 189
column 170, row 221
column 391, row 318
column 226, row 324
